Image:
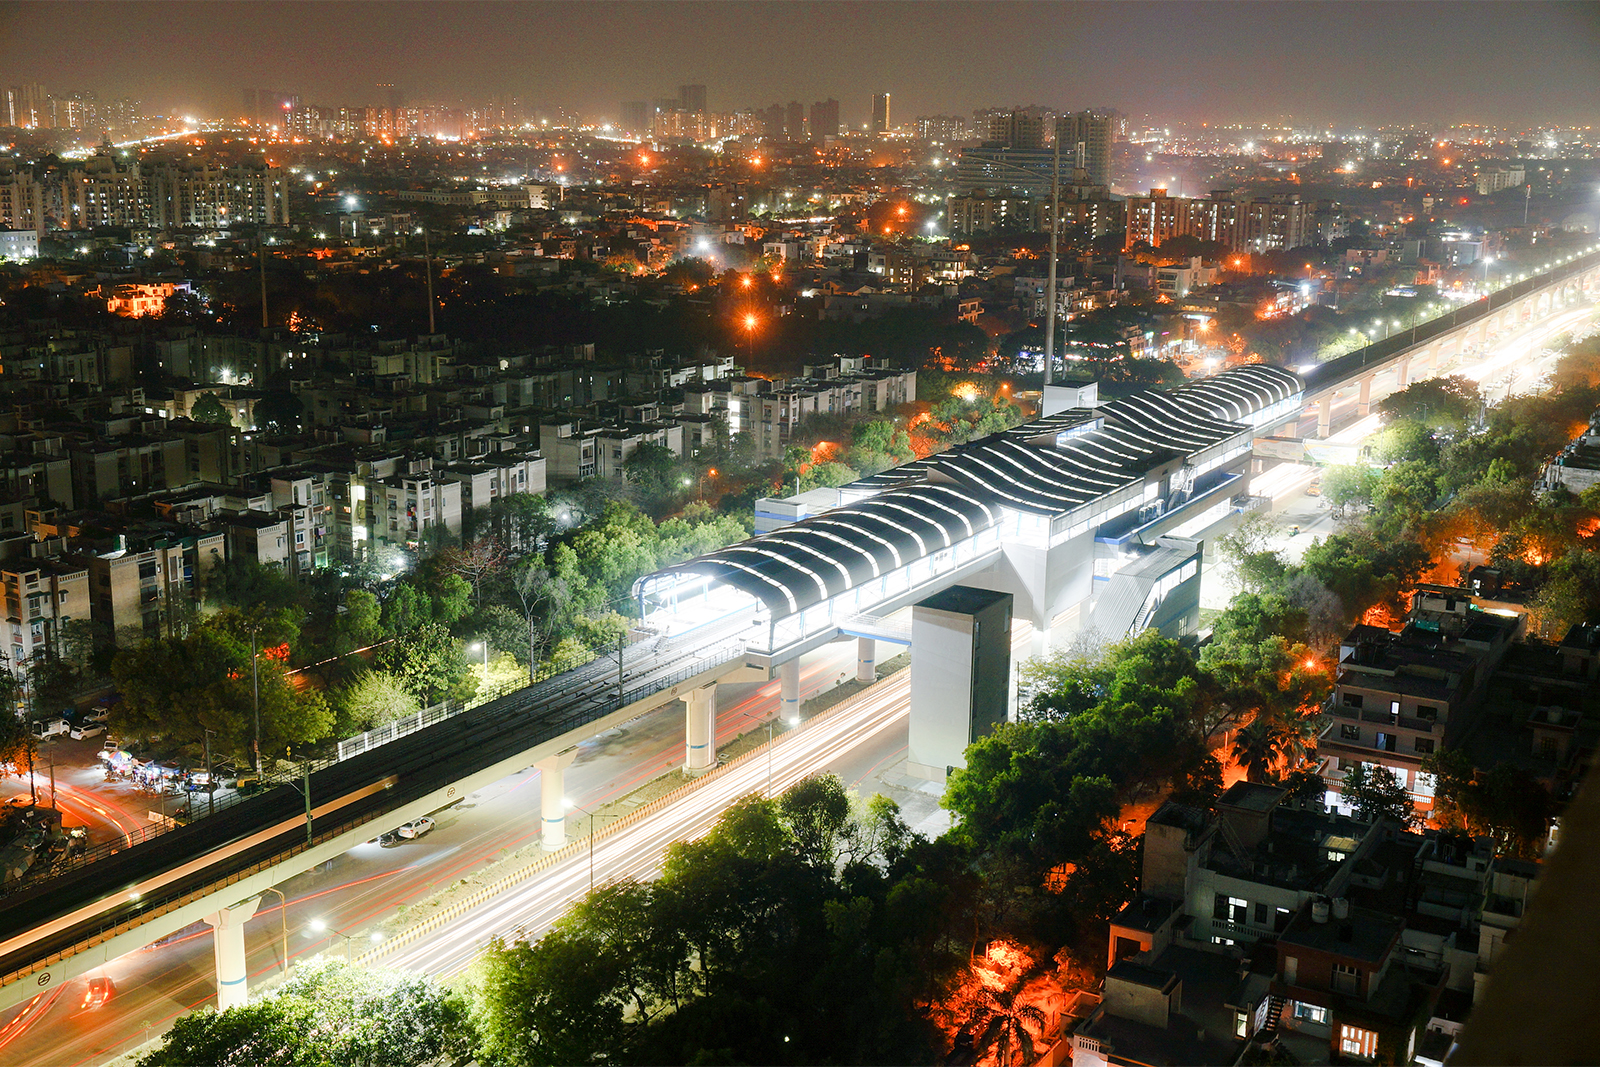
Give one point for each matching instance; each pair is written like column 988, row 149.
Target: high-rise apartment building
column 28, row 106
column 824, row 119
column 794, row 122
column 943, row 129
column 772, row 120
column 104, row 191
column 1016, row 129
column 1260, row 225
column 880, row 114
column 635, row 117
column 692, row 97
column 1087, row 136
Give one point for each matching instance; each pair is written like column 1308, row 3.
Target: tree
column 428, row 661
column 656, row 471
column 1505, row 802
column 207, row 408
column 1347, row 485
column 279, row 411
column 1363, row 568
column 1253, row 565
column 1375, row 793
column 178, row 688
column 1443, row 405
column 474, row 562
column 327, row 1014
column 999, row 1020
column 375, row 698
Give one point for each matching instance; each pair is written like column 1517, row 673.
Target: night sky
column 1350, row 63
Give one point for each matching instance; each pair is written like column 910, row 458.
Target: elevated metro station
column 1089, row 517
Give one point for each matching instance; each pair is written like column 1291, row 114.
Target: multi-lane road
column 366, row 884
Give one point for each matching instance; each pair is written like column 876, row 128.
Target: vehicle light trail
column 636, row 850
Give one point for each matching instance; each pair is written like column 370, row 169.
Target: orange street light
column 750, row 323
column 745, row 281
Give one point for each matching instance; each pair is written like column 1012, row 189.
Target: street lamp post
column 322, row 927
column 211, row 785
column 283, row 918
column 586, row 811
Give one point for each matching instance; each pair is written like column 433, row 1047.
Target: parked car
column 88, row 729
column 416, row 828
column 50, row 728
column 98, row 714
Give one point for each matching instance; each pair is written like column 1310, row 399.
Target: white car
column 416, row 828
column 43, row 729
column 88, row 729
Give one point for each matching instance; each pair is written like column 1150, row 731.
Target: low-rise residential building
column 1267, row 930
column 145, row 577
column 497, row 475
column 41, row 596
column 576, row 448
column 1400, row 697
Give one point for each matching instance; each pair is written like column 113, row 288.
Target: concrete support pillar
column 1325, row 416
column 552, row 793
column 227, row 944
column 1433, row 361
column 1364, row 397
column 1039, row 640
column 700, row 729
column 866, row 660
column 1402, row 370
column 789, row 691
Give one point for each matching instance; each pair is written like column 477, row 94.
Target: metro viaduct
column 1443, row 341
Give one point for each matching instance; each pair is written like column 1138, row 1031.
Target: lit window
column 1310, row 1013
column 1354, row 1041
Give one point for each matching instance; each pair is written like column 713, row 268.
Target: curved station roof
column 820, row 557
column 929, row 505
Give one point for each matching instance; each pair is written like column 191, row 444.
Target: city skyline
column 1313, row 64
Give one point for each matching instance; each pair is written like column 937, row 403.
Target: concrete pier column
column 1433, row 360
column 1325, row 416
column 789, row 690
column 700, row 729
column 227, row 945
column 552, row 793
column 1364, row 397
column 1401, row 372
column 1039, row 640
column 866, row 660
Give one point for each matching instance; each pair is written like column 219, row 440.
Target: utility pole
column 621, row 640
column 307, row 792
column 427, row 266
column 261, row 245
column 1527, row 195
column 255, row 686
column 1050, row 286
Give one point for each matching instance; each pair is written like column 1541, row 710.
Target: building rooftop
column 1366, row 935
